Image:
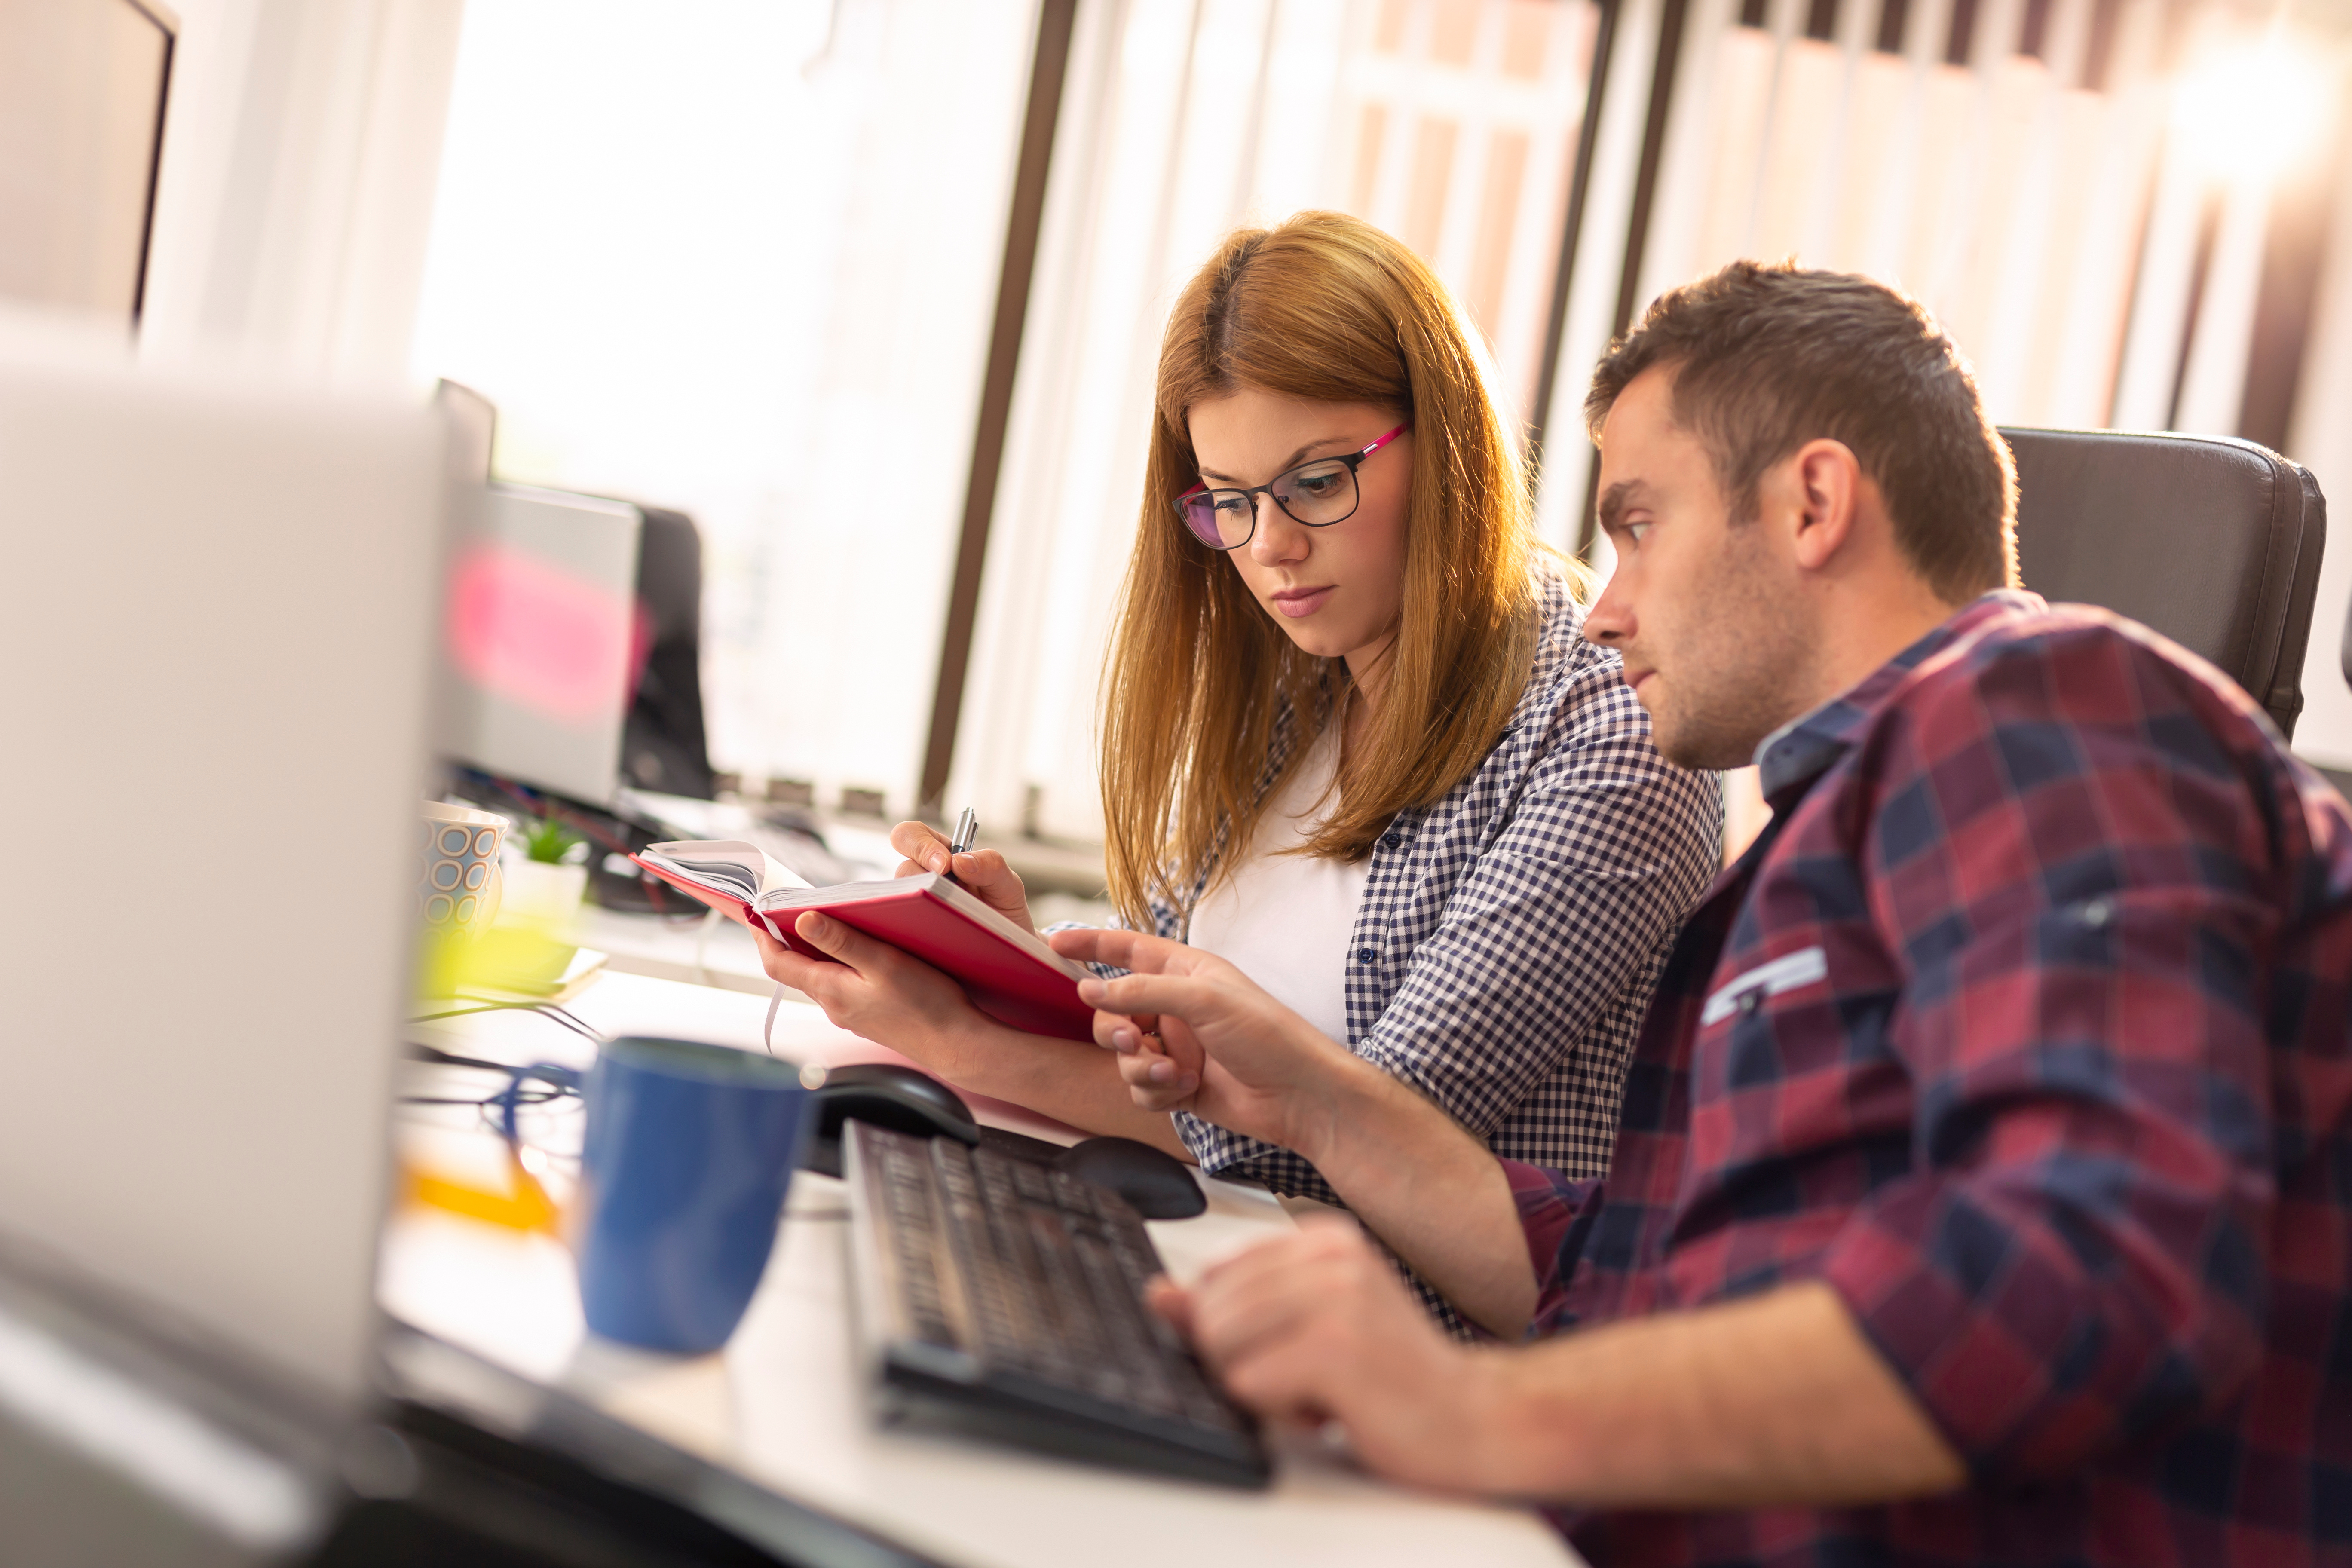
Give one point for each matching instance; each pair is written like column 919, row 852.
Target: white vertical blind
column 2069, row 219
column 300, row 152
column 2002, row 192
column 1592, row 292
column 2321, row 438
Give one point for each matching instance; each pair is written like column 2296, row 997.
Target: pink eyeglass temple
column 1378, row 442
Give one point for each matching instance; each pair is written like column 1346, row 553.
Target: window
column 739, row 258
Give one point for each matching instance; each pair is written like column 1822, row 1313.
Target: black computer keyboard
column 1002, row 1298
column 1020, row 1145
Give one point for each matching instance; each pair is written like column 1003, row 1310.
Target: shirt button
column 1391, row 841
column 1752, row 1001
column 2098, row 912
column 1365, row 955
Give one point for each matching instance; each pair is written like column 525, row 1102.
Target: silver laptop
column 219, row 633
column 220, row 600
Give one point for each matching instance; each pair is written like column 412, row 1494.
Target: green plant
column 548, row 841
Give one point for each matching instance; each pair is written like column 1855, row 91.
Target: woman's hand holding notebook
column 1009, row 973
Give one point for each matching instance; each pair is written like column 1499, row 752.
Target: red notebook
column 1010, row 974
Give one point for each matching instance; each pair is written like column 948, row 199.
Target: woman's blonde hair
column 1327, row 307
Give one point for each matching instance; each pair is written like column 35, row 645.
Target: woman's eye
column 1318, row 484
column 1637, row 531
column 1233, row 502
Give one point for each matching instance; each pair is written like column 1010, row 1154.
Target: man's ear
column 1826, row 485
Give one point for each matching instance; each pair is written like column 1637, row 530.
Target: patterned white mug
column 459, row 884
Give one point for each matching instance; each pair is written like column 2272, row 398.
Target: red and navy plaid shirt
column 2025, row 1029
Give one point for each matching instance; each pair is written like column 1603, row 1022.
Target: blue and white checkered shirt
column 1509, row 934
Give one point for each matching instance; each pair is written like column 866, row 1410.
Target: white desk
column 699, row 951
column 783, row 1405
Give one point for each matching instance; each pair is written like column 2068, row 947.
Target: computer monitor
column 651, row 733
column 663, row 747
column 83, row 85
column 538, row 640
column 219, row 649
column 540, row 630
column 473, row 431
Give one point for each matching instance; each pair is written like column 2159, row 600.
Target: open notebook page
column 744, row 871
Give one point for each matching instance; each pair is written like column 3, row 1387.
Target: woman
column 1352, row 739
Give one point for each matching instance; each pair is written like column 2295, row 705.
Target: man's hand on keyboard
column 1226, row 1049
column 1316, row 1330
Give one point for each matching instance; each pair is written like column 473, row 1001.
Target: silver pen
column 967, row 828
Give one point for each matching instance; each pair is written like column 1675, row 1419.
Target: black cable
column 554, row 1073
column 443, row 1058
column 566, row 1020
column 521, row 1093
column 590, row 823
column 496, row 1125
column 548, row 1010
column 528, row 1096
column 557, row 1011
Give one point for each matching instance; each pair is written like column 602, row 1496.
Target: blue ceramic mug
column 689, row 1151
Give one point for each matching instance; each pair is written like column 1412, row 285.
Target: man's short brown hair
column 1767, row 358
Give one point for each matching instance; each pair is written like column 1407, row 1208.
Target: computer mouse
column 887, row 1095
column 1157, row 1185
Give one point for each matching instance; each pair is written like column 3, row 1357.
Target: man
column 1983, row 1192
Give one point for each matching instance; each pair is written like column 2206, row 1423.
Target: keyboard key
column 1072, row 1195
column 1030, row 1182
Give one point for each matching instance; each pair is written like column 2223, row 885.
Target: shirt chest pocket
column 1747, row 992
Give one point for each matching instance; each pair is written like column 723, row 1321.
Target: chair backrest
column 2213, row 541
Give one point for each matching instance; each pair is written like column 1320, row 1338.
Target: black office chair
column 2213, row 541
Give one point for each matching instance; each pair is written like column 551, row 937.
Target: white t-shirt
column 1284, row 920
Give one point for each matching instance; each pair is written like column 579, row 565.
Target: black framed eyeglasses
column 1316, row 494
